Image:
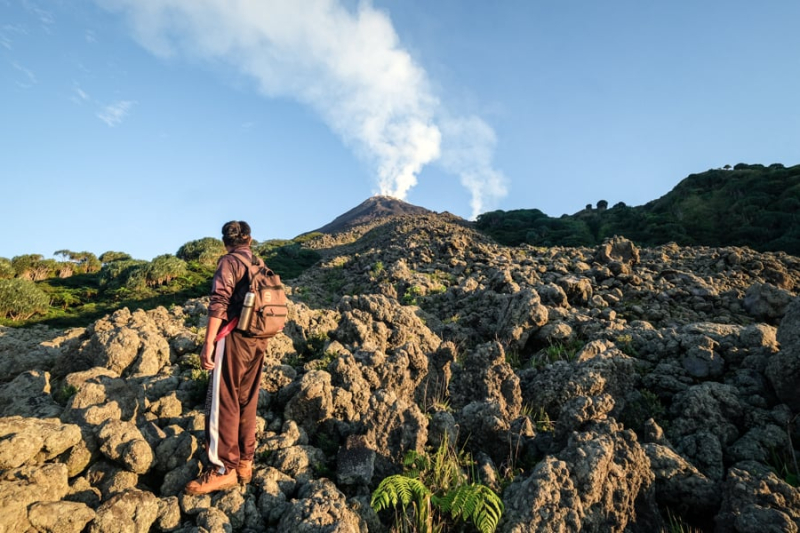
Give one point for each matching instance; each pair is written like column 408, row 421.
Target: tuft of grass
column 625, row 343
column 556, row 352
column 63, row 394
column 410, row 297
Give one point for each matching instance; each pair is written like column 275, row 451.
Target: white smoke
column 348, row 65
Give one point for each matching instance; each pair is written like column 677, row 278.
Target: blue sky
column 138, row 126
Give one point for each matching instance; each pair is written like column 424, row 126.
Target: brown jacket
column 229, row 272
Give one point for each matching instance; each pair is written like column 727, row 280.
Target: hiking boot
column 211, row 481
column 245, row 471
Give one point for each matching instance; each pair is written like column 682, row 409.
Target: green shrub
column 110, row 257
column 117, row 273
column 205, row 251
column 6, row 269
column 20, row 299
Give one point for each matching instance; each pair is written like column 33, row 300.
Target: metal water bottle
column 247, row 312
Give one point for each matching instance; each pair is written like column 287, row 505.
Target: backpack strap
column 255, row 263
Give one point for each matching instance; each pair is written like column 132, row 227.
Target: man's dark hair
column 236, row 233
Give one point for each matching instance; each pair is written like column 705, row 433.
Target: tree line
column 746, row 205
column 77, row 287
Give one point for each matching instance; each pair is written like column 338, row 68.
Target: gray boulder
column 755, row 499
column 60, row 517
column 28, row 395
column 783, row 368
column 22, row 487
column 129, row 344
column 31, row 440
column 680, row 485
column 766, row 302
column 321, row 507
column 617, row 249
column 131, row 511
column 123, row 443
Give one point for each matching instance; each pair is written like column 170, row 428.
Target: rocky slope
column 603, row 389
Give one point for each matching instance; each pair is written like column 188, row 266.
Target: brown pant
column 232, row 399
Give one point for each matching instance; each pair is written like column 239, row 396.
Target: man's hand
column 207, row 353
column 207, row 356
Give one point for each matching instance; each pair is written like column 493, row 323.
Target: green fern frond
column 476, row 503
column 398, row 489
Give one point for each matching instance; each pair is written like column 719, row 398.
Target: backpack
column 269, row 308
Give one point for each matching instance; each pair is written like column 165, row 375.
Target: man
column 235, row 361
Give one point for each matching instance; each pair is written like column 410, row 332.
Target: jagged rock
column 617, row 249
column 28, row 395
column 442, row 428
column 110, row 479
column 27, row 349
column 783, row 368
column 484, row 425
column 547, row 499
column 553, row 295
column 348, row 374
column 393, row 426
column 101, row 395
column 517, row 318
column 78, row 458
column 214, row 521
column 484, row 375
column 680, row 485
column 129, row 344
column 22, row 487
column 232, row 505
column 321, row 507
column 707, row 420
column 603, row 482
column 81, row 491
column 169, row 514
column 355, row 462
column 765, row 301
column 273, row 487
column 131, row 510
column 313, row 403
column 123, row 442
column 376, row 323
column 175, row 480
column 578, row 290
column 599, row 368
column 24, row 440
column 60, row 517
column 299, row 462
column 579, row 410
column 755, row 499
column 174, row 450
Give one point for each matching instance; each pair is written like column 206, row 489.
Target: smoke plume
column 348, row 65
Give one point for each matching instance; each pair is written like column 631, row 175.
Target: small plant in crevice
column 625, row 344
column 556, row 352
column 199, row 385
column 435, row 491
column 676, row 524
column 63, row 394
column 541, row 420
column 410, row 297
column 640, row 406
column 784, row 466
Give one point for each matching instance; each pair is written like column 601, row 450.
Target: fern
column 433, row 486
column 398, row 489
column 473, row 502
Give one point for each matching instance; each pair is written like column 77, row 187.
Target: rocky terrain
column 597, row 389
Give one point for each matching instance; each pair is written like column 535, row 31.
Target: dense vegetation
column 747, row 205
column 82, row 287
